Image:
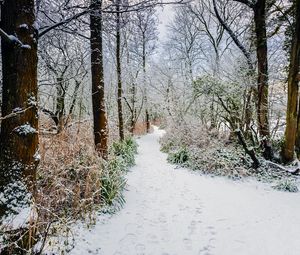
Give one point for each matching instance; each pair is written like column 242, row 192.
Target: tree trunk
column 19, row 134
column 74, row 99
column 98, row 96
column 292, row 131
column 145, row 84
column 60, row 104
column 247, row 112
column 262, row 79
column 147, row 121
column 119, row 71
column 133, row 108
column 297, row 142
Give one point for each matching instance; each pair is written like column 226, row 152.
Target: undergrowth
column 73, row 183
column 179, row 156
column 211, row 152
column 286, row 185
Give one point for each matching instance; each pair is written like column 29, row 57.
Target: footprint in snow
column 188, row 243
column 192, row 227
column 131, row 227
column 162, row 218
column 140, row 248
column 152, row 238
column 128, row 239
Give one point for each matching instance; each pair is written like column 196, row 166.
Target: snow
column 13, row 38
column 17, row 109
column 37, row 156
column 32, row 101
column 25, row 130
column 26, row 46
column 21, row 219
column 24, row 26
column 36, row 25
column 177, row 211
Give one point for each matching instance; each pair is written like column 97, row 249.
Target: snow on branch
column 15, row 113
column 10, row 38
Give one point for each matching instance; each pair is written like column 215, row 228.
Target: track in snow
column 172, row 211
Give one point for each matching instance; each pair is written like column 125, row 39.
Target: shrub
column 198, row 148
column 286, row 185
column 122, row 156
column 113, row 182
column 166, row 146
column 180, row 156
column 125, row 150
column 72, row 182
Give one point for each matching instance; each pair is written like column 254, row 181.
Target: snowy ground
column 172, row 211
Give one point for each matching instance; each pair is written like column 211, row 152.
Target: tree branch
column 15, row 114
column 10, row 38
column 234, row 38
column 61, row 23
column 246, row 2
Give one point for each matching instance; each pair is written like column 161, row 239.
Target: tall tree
column 259, row 9
column 119, row 69
column 98, row 97
column 146, row 23
column 19, row 127
column 292, row 112
column 262, row 101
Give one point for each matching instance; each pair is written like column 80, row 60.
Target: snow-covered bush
column 179, row 157
column 216, row 153
column 125, row 150
column 205, row 150
column 112, row 180
column 286, row 185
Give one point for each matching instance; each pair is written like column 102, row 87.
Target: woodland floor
column 172, row 211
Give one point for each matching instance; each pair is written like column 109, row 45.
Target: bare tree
column 146, row 24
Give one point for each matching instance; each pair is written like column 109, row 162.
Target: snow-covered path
column 172, row 211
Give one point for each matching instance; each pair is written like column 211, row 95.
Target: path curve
column 172, row 211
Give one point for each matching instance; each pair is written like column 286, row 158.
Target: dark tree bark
column 133, row 108
column 293, row 88
column 60, row 104
column 19, row 134
column 119, row 70
column 249, row 151
column 74, row 98
column 262, row 77
column 145, row 84
column 98, row 96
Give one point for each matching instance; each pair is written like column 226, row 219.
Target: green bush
column 125, row 150
column 122, row 156
column 286, row 185
column 179, row 157
column 167, row 146
column 113, row 182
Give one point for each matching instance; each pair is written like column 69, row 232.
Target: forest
column 132, row 127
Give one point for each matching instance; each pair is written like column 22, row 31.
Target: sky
column 165, row 16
